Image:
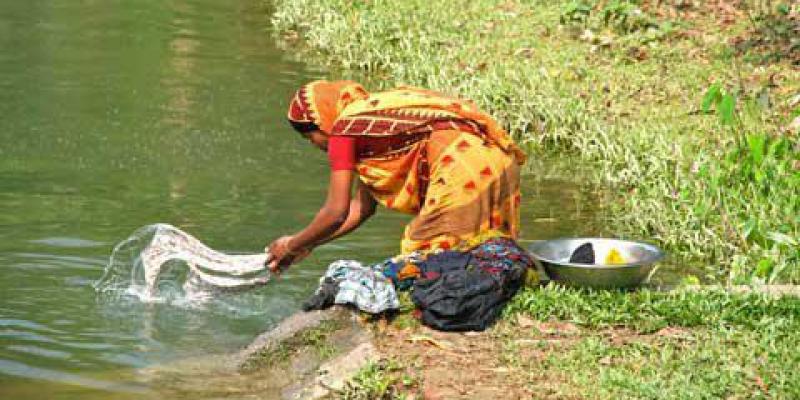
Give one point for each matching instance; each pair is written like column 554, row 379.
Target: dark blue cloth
column 461, row 291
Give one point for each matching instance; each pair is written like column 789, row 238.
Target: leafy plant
column 626, row 17
column 722, row 101
column 379, row 380
column 576, row 12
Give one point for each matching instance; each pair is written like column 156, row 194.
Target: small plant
column 723, row 102
column 762, row 166
column 626, row 17
column 623, row 17
column 576, row 12
column 379, row 380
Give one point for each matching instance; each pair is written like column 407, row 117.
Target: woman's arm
column 333, row 214
column 328, row 220
column 362, row 207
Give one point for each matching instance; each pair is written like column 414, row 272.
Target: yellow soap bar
column 614, row 257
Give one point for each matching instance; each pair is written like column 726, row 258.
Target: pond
column 118, row 114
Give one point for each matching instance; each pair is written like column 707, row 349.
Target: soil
column 497, row 363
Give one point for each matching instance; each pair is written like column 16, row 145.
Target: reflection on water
column 118, row 114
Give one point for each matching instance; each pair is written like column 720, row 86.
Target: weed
column 384, row 379
column 623, row 17
column 774, row 33
column 576, row 12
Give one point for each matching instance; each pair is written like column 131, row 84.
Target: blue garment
column 461, row 291
column 362, row 287
column 391, row 267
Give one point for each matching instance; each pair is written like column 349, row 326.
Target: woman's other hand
column 282, row 255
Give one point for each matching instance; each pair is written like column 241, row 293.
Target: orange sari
column 427, row 154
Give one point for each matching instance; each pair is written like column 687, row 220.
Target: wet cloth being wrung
column 148, row 260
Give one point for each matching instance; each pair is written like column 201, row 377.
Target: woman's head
column 316, row 106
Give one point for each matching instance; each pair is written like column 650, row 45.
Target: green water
column 116, row 114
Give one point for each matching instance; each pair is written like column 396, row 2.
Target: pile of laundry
column 452, row 290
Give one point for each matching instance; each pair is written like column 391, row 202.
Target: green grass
column 625, row 97
column 731, row 345
column 313, row 339
column 700, row 364
column 384, row 379
column 648, row 311
column 686, row 344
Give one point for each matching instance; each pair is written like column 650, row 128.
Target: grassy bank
column 683, row 344
column 562, row 343
column 685, row 108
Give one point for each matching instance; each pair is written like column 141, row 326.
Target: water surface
column 117, row 114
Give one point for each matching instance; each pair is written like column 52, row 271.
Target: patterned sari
column 427, row 154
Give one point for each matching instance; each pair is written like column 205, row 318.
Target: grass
column 568, row 343
column 648, row 311
column 617, row 83
column 315, row 339
column 385, row 379
column 698, row 364
column 731, row 345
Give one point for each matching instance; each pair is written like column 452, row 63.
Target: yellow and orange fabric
column 424, row 153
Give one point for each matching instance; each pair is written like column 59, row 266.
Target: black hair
column 304, row 127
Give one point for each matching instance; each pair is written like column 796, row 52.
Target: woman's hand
column 282, row 255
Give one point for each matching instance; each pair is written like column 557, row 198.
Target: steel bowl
column 552, row 257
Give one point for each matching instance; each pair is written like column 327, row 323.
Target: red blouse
column 342, row 152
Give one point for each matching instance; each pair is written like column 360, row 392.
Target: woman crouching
column 422, row 153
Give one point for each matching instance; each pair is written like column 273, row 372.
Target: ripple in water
column 160, row 263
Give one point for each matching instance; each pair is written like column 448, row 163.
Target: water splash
column 161, row 263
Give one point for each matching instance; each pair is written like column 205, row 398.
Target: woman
column 412, row 150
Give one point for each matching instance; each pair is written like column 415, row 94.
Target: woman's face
column 317, row 138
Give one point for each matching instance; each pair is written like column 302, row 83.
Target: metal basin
column 639, row 259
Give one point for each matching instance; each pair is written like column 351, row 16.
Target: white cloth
column 209, row 266
column 145, row 255
column 363, row 287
